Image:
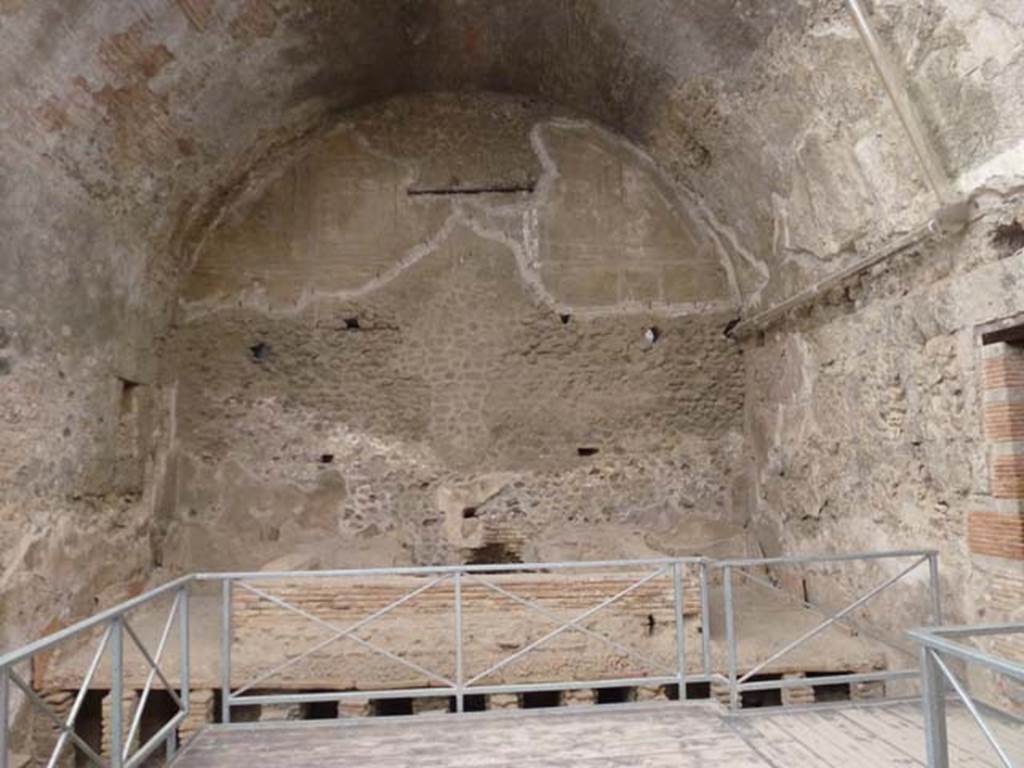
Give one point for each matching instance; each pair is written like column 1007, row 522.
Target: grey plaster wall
column 127, row 129
column 380, row 359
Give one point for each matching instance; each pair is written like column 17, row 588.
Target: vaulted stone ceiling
column 159, row 108
column 767, row 113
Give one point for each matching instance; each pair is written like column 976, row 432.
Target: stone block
column 580, row 698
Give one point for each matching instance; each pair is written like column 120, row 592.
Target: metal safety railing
column 461, row 681
column 114, row 627
column 682, row 587
column 741, row 569
column 939, row 648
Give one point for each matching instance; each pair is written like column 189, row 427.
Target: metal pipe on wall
column 955, row 212
column 899, row 94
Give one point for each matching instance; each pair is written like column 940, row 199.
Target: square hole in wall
column 471, row 703
column 541, row 699
column 615, row 695
column 771, row 697
column 830, row 691
column 392, row 707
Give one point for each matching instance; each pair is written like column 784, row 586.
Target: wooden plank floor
column 640, row 736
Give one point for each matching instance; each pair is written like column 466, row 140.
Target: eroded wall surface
column 867, row 418
column 457, row 329
column 127, row 127
column 81, row 417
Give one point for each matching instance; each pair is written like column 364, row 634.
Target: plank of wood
column 964, row 731
column 773, row 743
column 839, row 742
column 912, row 717
column 670, row 738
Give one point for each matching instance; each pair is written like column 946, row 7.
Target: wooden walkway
column 638, row 736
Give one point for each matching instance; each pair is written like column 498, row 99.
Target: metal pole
column 935, row 590
column 459, row 695
column 730, row 638
column 677, row 581
column 894, row 83
column 973, row 709
column 705, row 616
column 172, row 746
column 117, row 692
column 934, row 702
column 225, row 652
column 4, row 714
column 185, row 642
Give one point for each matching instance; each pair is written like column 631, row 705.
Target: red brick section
column 1008, row 477
column 996, row 534
column 1004, row 422
column 990, row 533
column 1005, row 371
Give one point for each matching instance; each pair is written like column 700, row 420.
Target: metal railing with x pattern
column 941, row 646
column 740, row 683
column 460, row 682
column 114, row 628
column 579, row 605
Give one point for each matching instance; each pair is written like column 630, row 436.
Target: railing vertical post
column 172, row 747
column 705, row 616
column 117, row 692
column 677, row 581
column 730, row 637
column 225, row 652
column 935, row 589
column 459, row 694
column 5, row 690
column 934, row 702
column 185, row 642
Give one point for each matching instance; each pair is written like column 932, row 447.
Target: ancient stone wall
column 866, row 417
column 457, row 329
column 80, row 410
column 366, row 287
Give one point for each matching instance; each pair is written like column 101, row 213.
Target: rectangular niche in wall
column 998, row 531
column 132, row 411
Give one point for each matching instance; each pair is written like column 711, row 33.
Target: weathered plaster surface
column 127, row 128
column 498, row 334
column 864, row 414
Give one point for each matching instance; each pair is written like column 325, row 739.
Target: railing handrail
column 937, row 639
column 116, row 620
column 45, row 643
column 936, row 642
column 19, row 655
column 803, row 559
column 442, row 570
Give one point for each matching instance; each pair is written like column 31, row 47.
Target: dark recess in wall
column 1009, row 237
column 615, row 695
column 392, row 707
column 494, row 553
column 541, row 699
column 473, row 703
